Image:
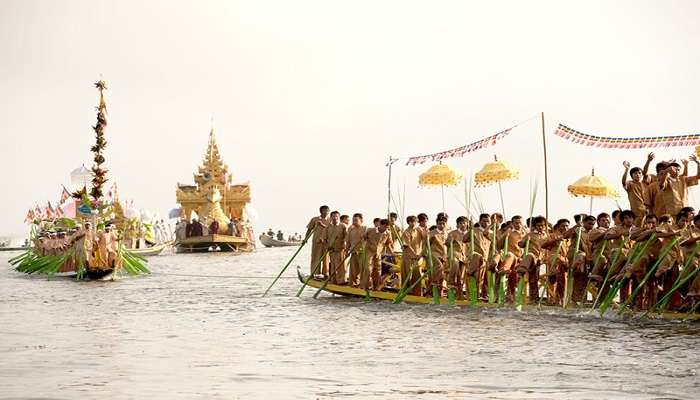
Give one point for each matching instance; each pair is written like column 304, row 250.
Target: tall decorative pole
column 546, row 182
column 99, row 174
column 388, row 204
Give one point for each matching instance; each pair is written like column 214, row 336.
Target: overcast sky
column 310, row 97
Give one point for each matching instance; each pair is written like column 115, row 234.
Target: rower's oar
column 634, row 256
column 490, row 281
column 663, row 303
column 595, row 266
column 436, row 295
column 643, row 282
column 502, row 280
column 318, row 265
column 325, row 282
column 451, row 261
column 609, row 273
column 569, row 285
column 289, row 262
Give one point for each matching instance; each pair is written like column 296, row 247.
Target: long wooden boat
column 13, row 248
column 268, row 241
column 349, row 291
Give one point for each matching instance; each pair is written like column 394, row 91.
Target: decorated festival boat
column 221, row 222
column 79, row 235
column 321, row 284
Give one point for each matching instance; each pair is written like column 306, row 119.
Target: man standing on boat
column 377, row 241
column 412, row 239
column 334, row 237
column 455, row 245
column 354, row 246
column 317, row 226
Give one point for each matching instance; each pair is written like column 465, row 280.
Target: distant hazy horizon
column 310, row 98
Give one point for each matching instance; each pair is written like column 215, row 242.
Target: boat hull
column 203, row 244
column 349, row 291
column 267, row 241
column 150, row 251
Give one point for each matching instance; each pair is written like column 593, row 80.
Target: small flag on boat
column 65, row 195
column 30, row 217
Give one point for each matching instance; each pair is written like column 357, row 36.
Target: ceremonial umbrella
column 593, row 186
column 496, row 172
column 440, row 175
column 80, row 176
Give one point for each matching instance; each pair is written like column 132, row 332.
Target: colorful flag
column 65, row 195
column 30, row 217
column 577, row 137
column 462, row 150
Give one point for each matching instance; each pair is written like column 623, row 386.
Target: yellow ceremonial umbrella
column 496, row 172
column 440, row 175
column 593, row 186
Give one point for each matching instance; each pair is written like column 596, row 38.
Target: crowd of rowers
column 660, row 233
column 97, row 248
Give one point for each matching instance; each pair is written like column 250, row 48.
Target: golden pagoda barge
column 213, row 211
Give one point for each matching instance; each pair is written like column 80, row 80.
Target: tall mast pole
column 388, row 204
column 546, row 181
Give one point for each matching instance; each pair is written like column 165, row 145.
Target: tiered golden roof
column 213, row 195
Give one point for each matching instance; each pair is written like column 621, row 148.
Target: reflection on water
column 198, row 328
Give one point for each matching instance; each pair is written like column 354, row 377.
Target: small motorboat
column 268, row 241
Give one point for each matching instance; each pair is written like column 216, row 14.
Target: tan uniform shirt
column 437, row 244
column 412, row 239
column 317, row 224
column 675, row 193
column 334, row 237
column 376, row 241
column 536, row 241
column 482, row 241
column 638, row 196
column 354, row 238
column 456, row 240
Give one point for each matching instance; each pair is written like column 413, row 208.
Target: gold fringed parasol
column 496, row 172
column 593, row 186
column 440, row 175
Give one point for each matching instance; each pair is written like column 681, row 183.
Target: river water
column 197, row 328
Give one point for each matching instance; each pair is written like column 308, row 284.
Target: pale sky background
column 311, row 97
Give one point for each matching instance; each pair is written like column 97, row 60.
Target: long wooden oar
column 595, row 266
column 663, row 303
column 318, row 265
column 325, row 282
column 643, row 282
column 569, row 285
column 289, row 262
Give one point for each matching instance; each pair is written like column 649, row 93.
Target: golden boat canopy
column 440, row 175
column 594, row 186
column 494, row 172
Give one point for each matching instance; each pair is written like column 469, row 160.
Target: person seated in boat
column 354, row 246
column 270, row 233
column 456, row 257
column 232, row 230
column 214, row 227
column 529, row 267
column 437, row 239
column 581, row 260
column 556, row 262
column 196, row 228
column 345, row 220
column 377, row 240
column 412, row 245
column 513, row 254
column 479, row 240
column 280, row 236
